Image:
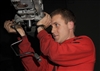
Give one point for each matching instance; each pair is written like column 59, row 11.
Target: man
column 61, row 51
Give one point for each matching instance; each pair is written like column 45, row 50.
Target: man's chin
column 57, row 40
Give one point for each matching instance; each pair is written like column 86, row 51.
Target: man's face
column 60, row 29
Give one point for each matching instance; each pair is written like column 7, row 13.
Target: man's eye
column 57, row 25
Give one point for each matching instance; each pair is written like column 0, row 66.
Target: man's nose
column 53, row 30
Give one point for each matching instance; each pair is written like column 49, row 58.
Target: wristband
column 41, row 26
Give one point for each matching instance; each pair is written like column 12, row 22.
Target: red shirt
column 75, row 54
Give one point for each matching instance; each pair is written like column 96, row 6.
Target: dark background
column 87, row 14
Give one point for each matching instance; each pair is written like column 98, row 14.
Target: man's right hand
column 8, row 24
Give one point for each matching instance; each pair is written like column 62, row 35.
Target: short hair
column 67, row 14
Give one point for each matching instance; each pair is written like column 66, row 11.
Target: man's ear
column 70, row 25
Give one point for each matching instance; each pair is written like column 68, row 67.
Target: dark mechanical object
column 28, row 13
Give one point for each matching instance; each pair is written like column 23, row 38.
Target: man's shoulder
column 84, row 38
